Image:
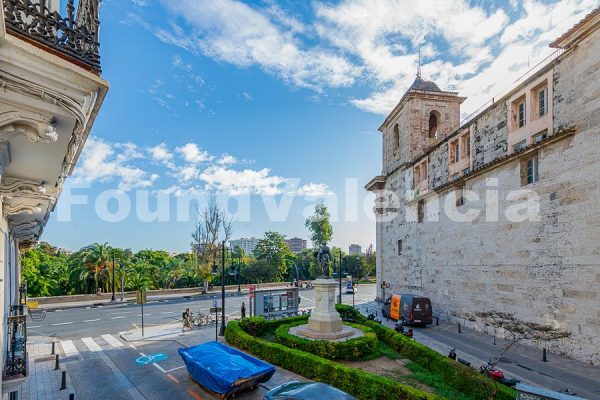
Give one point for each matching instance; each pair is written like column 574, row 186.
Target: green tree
column 319, row 226
column 95, row 257
column 37, row 284
column 273, row 251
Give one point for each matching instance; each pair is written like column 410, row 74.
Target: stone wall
column 490, row 135
column 546, row 269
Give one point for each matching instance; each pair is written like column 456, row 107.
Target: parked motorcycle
column 373, row 317
column 399, row 327
column 452, row 356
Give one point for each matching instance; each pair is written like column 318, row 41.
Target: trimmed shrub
column 352, row 349
column 361, row 384
column 458, row 376
column 257, row 326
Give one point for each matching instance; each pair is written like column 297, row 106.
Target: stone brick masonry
column 545, row 269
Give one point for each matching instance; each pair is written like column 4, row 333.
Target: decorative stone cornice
column 11, row 187
column 12, row 208
column 36, row 127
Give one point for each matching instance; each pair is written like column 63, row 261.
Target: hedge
column 351, row 349
column 257, row 326
column 460, row 377
column 361, row 384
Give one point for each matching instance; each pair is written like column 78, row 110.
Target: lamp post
column 222, row 331
column 122, row 280
column 340, row 274
column 113, row 276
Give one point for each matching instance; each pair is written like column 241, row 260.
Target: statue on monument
column 324, row 256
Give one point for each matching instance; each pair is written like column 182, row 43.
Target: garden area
column 381, row 364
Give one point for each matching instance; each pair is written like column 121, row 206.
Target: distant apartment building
column 296, row 244
column 354, row 249
column 247, row 244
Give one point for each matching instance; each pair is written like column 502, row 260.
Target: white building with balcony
column 51, row 94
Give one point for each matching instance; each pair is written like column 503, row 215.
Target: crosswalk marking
column 69, row 348
column 89, row 342
column 110, row 339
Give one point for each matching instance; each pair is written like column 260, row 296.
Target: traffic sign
column 214, row 302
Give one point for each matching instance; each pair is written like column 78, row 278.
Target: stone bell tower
column 424, row 115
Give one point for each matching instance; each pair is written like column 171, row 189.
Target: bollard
column 437, row 321
column 56, row 363
column 63, row 381
column 459, row 331
column 494, row 339
column 53, row 348
column 72, row 396
column 544, row 359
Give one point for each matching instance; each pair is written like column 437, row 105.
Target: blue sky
column 276, row 104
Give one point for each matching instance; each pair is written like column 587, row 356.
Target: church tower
column 424, row 115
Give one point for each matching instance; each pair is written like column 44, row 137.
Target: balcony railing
column 75, row 36
column 16, row 357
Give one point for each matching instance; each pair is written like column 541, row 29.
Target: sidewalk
column 43, row 382
column 520, row 362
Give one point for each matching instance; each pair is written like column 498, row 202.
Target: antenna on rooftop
column 419, row 65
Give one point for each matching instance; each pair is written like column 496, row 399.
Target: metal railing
column 16, row 358
column 75, row 36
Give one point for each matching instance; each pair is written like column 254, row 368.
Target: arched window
column 433, row 124
column 396, row 137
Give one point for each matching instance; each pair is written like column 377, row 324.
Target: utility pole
column 113, row 276
column 222, row 331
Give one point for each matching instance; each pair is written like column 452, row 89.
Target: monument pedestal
column 325, row 322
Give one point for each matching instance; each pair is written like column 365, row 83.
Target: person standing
column 186, row 319
column 243, row 309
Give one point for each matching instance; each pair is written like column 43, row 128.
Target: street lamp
column 113, row 277
column 216, row 271
column 340, row 268
column 122, row 280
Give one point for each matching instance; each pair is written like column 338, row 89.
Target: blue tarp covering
column 223, row 369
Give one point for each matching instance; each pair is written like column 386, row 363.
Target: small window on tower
column 396, row 137
column 433, row 126
column 399, row 247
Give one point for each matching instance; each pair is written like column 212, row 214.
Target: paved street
column 74, row 323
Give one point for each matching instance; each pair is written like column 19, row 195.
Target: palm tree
column 95, row 257
column 140, row 277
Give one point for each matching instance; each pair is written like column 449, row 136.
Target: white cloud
column 472, row 47
column 227, row 159
column 314, row 190
column 100, row 161
column 246, row 96
column 232, row 182
column 193, row 154
column 161, row 153
column 129, row 168
column 234, row 32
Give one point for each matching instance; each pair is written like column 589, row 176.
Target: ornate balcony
column 74, row 37
column 16, row 357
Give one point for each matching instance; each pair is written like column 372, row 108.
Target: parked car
column 306, row 391
column 414, row 309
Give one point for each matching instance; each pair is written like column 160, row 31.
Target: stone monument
column 325, row 322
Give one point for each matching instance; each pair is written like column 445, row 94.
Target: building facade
column 296, row 244
column 500, row 212
column 354, row 249
column 51, row 94
column 246, row 244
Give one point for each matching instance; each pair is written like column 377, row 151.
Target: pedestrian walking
column 243, row 309
column 186, row 318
